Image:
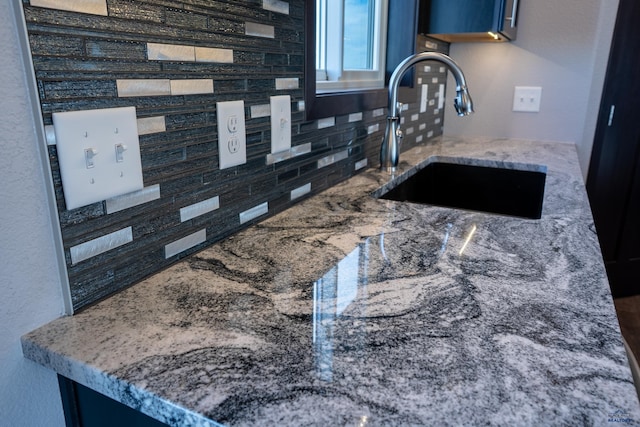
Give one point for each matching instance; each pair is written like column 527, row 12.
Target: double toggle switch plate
column 527, row 99
column 99, row 154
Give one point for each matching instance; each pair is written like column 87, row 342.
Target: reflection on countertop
column 350, row 310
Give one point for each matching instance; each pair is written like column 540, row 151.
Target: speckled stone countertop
column 350, row 310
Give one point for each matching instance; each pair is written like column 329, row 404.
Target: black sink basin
column 479, row 188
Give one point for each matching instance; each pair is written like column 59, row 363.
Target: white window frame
column 330, row 47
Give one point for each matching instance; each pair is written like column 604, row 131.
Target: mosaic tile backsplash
column 173, row 61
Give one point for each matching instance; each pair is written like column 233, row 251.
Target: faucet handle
column 399, row 134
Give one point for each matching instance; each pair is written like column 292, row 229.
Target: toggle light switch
column 89, row 154
column 91, row 147
column 120, row 149
column 280, row 123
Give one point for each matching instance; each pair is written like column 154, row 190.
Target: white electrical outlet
column 232, row 138
column 99, row 154
column 527, row 98
column 280, row 123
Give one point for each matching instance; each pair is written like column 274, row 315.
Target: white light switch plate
column 441, row 94
column 280, row 123
column 99, row 154
column 232, row 137
column 527, row 99
column 424, row 97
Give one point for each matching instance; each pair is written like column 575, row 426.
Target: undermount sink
column 504, row 191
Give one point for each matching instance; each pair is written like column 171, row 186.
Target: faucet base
column 390, row 149
column 388, row 169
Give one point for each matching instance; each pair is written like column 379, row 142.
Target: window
column 400, row 33
column 350, row 44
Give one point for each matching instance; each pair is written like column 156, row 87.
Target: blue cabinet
column 84, row 407
column 469, row 20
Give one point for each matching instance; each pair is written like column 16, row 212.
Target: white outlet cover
column 232, row 137
column 280, row 123
column 87, row 179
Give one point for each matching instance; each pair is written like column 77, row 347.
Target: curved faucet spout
column 390, row 151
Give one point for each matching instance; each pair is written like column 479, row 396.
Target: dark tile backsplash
column 78, row 60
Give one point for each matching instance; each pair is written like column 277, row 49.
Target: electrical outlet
column 234, row 145
column 280, row 123
column 527, row 99
column 99, row 154
column 232, row 124
column 232, row 138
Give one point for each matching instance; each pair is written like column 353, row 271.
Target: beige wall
column 30, row 289
column 562, row 46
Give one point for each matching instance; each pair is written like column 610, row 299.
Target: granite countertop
column 350, row 310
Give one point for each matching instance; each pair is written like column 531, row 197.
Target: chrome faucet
column 390, row 150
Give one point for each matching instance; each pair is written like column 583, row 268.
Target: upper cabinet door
column 469, row 20
column 509, row 19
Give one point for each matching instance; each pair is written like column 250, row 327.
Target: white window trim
column 333, row 78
